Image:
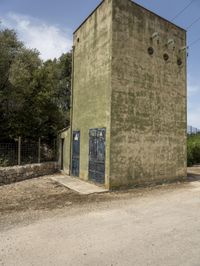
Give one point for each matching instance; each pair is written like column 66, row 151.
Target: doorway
column 97, row 143
column 76, row 153
column 62, row 154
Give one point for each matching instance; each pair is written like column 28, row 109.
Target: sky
column 48, row 25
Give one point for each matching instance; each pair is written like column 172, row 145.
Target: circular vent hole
column 166, row 57
column 150, row 51
column 179, row 62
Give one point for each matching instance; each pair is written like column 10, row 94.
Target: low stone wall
column 13, row 174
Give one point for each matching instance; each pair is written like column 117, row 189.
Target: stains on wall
column 92, row 81
column 148, row 117
column 130, row 78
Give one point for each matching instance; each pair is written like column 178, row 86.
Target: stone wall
column 13, row 174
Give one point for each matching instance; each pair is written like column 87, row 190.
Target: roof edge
column 88, row 16
column 134, row 3
column 63, row 130
column 152, row 12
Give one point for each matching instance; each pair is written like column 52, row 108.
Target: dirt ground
column 30, row 200
column 45, row 194
column 43, row 223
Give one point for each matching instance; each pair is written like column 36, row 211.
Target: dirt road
column 158, row 226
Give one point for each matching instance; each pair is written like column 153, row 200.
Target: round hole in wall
column 179, row 62
column 150, row 50
column 166, row 57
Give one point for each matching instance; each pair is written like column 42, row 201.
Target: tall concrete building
column 128, row 118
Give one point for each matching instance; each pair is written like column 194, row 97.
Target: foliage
column 193, row 149
column 34, row 95
column 4, row 162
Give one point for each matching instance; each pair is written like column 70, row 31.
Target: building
column 128, row 118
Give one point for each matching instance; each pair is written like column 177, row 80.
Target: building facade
column 128, row 118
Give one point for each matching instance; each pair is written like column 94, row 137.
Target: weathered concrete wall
column 66, row 151
column 13, row 174
column 92, row 81
column 148, row 116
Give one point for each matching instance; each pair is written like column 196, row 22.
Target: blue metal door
column 97, row 141
column 75, row 153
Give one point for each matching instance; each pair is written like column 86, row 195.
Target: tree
column 34, row 95
column 9, row 48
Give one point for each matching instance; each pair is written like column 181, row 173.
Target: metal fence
column 193, row 130
column 25, row 151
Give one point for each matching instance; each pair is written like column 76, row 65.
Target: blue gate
column 97, row 139
column 76, row 153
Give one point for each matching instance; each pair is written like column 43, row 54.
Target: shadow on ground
column 29, row 200
column 44, row 194
column 193, row 173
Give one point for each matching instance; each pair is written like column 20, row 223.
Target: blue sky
column 48, row 26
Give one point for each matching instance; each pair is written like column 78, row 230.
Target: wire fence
column 193, row 130
column 22, row 152
column 8, row 154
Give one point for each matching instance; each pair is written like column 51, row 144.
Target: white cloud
column 50, row 40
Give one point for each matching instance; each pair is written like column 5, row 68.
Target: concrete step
column 80, row 186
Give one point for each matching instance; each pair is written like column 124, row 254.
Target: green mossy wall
column 92, row 81
column 148, row 106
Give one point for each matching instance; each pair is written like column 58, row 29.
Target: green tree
column 34, row 95
column 193, row 149
column 9, row 48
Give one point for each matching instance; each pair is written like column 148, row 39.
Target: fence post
column 55, row 149
column 19, row 150
column 39, row 150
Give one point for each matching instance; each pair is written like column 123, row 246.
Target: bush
column 4, row 162
column 193, row 149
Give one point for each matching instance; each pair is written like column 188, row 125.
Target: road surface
column 159, row 227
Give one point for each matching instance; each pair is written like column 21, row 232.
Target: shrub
column 193, row 149
column 3, row 162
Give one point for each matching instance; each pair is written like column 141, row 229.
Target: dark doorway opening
column 97, row 143
column 76, row 153
column 62, row 152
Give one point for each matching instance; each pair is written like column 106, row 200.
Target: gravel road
column 156, row 226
